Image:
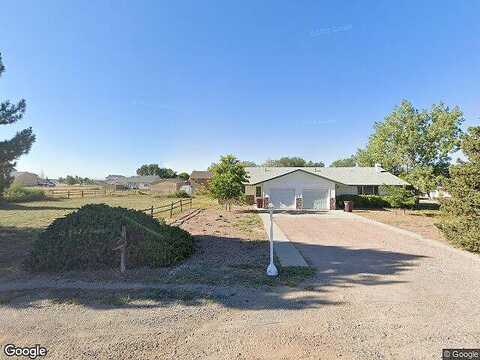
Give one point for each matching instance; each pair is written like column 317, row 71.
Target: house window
column 367, row 190
column 258, row 191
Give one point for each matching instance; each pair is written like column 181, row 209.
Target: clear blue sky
column 111, row 85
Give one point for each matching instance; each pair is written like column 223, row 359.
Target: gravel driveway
column 378, row 294
column 402, row 297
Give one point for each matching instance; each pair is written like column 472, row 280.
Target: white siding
column 299, row 181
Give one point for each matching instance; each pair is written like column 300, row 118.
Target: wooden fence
column 71, row 193
column 179, row 204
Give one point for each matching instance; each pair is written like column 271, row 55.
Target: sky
column 112, row 85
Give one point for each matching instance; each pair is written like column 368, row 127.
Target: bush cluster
column 18, row 193
column 85, row 239
column 179, row 194
column 363, row 201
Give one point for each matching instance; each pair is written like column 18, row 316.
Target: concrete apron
column 286, row 252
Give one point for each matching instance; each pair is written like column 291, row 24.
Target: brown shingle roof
column 196, row 175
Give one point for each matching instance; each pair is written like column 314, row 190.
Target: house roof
column 341, row 175
column 148, row 179
column 171, row 180
column 200, row 175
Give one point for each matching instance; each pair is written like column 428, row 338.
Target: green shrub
column 18, row 193
column 400, row 197
column 460, row 220
column 363, row 201
column 179, row 194
column 84, row 240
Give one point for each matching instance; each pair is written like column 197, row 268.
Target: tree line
column 164, row 173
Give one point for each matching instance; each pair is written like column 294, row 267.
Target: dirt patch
column 419, row 222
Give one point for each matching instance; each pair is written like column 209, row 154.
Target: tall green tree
column 293, row 161
column 409, row 138
column 184, row 176
column 347, row 162
column 227, row 182
column 460, row 219
column 154, row 169
column 20, row 144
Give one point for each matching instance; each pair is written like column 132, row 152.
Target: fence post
column 190, row 203
column 151, row 211
column 171, row 209
column 82, row 193
column 68, row 194
column 181, row 205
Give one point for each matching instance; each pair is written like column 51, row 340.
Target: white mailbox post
column 271, row 269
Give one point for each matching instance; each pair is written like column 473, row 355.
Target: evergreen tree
column 461, row 213
column 20, row 144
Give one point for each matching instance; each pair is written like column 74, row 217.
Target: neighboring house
column 167, row 186
column 440, row 192
column 26, row 178
column 314, row 188
column 200, row 178
column 139, row 182
column 115, row 179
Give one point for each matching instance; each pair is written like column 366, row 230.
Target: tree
column 20, row 144
column 227, row 182
column 184, row 176
column 460, row 220
column 154, row 169
column 347, row 162
column 247, row 163
column 408, row 138
column 293, row 161
column 400, row 197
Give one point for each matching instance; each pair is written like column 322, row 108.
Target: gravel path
column 378, row 294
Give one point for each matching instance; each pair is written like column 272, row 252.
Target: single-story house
column 314, row 187
column 26, row 178
column 115, row 179
column 167, row 186
column 200, row 178
column 139, row 182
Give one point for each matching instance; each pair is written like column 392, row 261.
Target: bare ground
column 420, row 222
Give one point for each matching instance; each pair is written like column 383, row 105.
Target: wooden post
column 82, row 193
column 190, row 203
column 122, row 246
column 68, row 194
column 181, row 205
column 171, row 209
column 151, row 211
column 123, row 250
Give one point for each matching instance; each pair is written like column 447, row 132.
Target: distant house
column 115, row 179
column 167, row 186
column 26, row 178
column 200, row 177
column 139, row 182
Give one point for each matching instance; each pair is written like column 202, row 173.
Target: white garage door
column 283, row 198
column 316, row 199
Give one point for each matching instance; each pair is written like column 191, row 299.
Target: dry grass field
column 20, row 223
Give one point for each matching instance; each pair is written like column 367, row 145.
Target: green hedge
column 363, row 201
column 18, row 193
column 84, row 240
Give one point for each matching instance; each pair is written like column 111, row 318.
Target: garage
column 316, row 199
column 283, row 198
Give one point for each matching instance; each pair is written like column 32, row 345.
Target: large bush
column 400, row 197
column 85, row 239
column 18, row 193
column 461, row 213
column 363, row 201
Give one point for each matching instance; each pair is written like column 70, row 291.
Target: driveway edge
column 287, row 253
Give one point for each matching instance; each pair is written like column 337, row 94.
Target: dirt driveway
column 401, row 296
